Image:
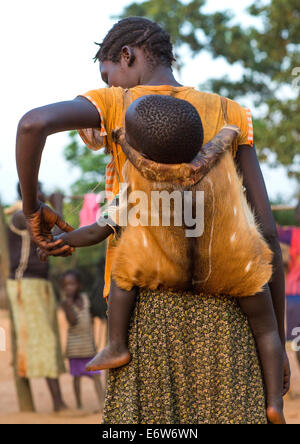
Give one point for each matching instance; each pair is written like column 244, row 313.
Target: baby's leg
column 260, row 312
column 116, row 353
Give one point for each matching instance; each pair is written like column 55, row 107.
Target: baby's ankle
column 117, row 346
column 276, row 402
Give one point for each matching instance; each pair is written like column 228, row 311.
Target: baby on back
column 224, row 253
column 162, row 140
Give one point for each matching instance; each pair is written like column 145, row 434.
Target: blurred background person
column 290, row 244
column 35, row 335
column 80, row 339
column 290, row 236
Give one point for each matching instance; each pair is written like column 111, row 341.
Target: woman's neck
column 160, row 75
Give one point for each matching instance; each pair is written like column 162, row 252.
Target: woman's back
column 112, row 104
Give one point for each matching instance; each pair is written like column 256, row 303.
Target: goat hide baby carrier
column 230, row 257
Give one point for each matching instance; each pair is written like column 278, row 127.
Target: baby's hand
column 61, row 248
column 61, row 238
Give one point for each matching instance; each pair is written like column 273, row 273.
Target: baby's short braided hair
column 166, row 129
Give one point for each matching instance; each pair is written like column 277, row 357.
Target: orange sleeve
column 237, row 115
column 95, row 138
column 105, row 101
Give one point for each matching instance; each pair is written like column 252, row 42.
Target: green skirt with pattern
column 194, row 361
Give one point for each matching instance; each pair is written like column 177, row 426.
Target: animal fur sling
column 230, row 256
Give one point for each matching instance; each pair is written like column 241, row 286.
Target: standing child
column 80, row 341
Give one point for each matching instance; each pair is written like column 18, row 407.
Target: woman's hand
column 40, row 225
column 58, row 249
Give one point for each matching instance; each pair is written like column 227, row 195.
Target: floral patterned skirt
column 194, row 361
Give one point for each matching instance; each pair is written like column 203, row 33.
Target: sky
column 47, row 50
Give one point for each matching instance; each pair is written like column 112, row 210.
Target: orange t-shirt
column 112, row 103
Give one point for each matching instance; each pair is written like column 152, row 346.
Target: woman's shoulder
column 214, row 98
column 204, row 94
column 104, row 98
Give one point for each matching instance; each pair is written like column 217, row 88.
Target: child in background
column 80, row 341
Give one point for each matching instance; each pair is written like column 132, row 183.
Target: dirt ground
column 8, row 402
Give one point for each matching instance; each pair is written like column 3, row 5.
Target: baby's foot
column 275, row 414
column 110, row 357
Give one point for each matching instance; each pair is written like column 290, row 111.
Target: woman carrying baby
column 194, row 358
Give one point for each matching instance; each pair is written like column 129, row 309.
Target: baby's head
column 164, row 129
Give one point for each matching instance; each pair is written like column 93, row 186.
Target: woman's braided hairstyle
column 137, row 32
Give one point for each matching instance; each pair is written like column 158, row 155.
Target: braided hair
column 137, row 32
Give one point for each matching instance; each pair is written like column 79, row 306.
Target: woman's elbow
column 32, row 122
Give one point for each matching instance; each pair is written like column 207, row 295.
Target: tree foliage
column 91, row 165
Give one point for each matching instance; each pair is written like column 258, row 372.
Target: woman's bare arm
column 33, row 130
column 247, row 164
column 257, row 197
